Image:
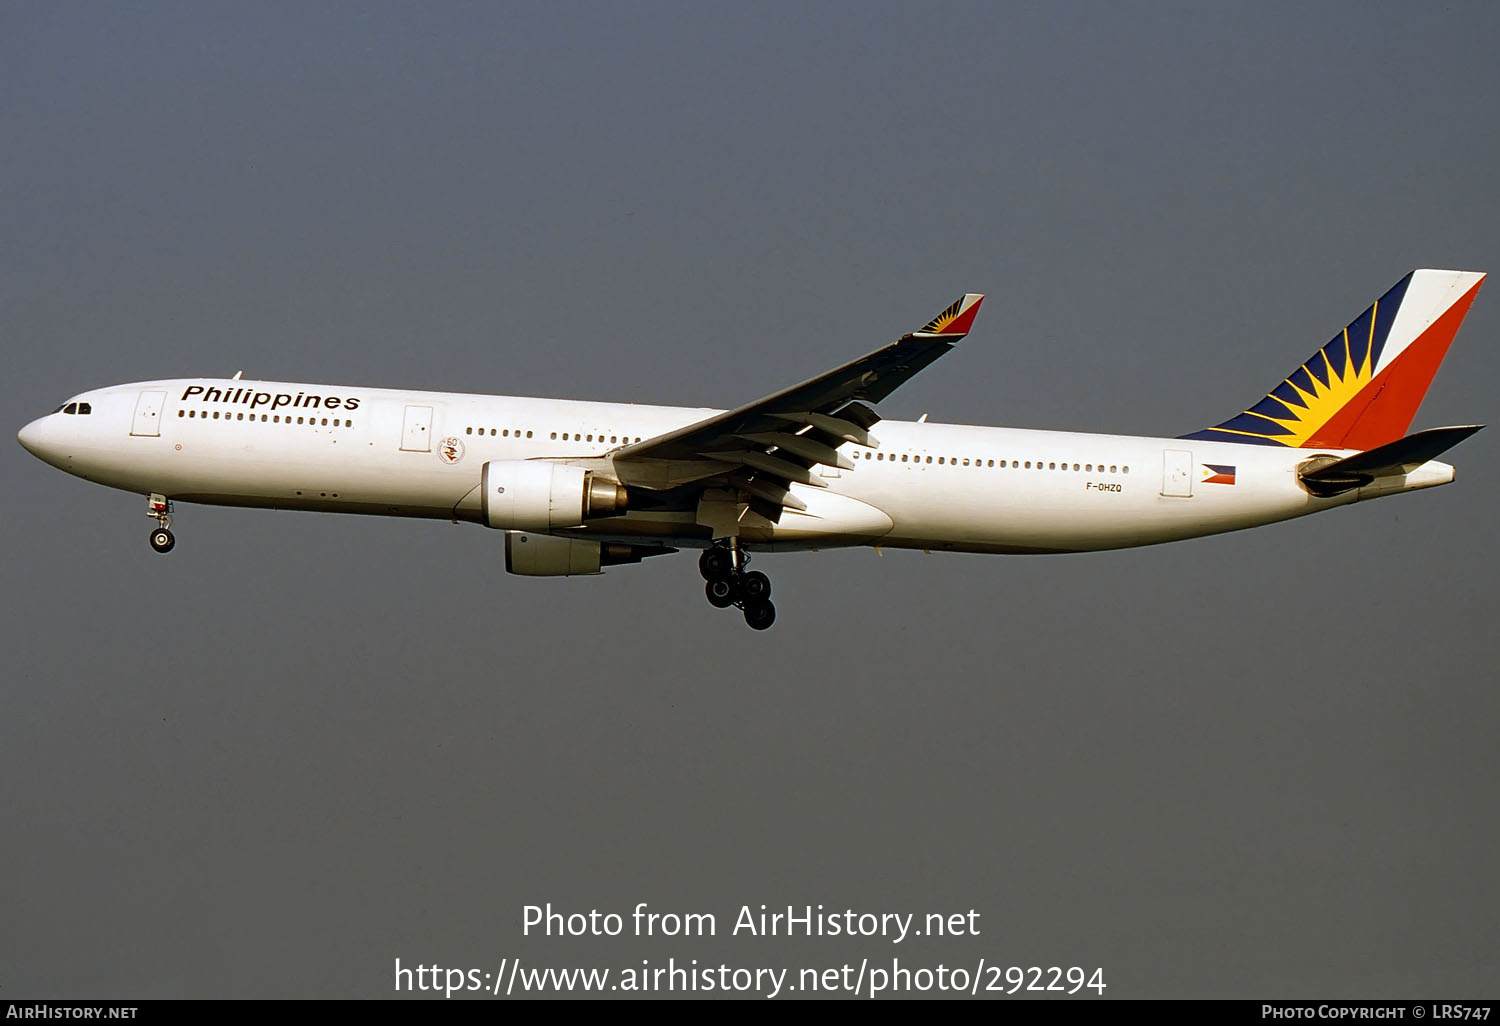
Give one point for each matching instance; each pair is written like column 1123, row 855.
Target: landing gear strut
column 723, row 567
column 159, row 508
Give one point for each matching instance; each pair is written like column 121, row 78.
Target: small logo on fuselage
column 451, row 449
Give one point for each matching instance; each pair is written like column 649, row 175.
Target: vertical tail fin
column 1362, row 389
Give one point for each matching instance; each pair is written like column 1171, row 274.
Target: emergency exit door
column 416, row 429
column 1177, row 473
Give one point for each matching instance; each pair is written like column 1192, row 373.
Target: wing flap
column 772, row 465
column 835, row 427
column 769, row 488
column 801, row 445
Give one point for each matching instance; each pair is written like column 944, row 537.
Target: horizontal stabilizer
column 1392, row 459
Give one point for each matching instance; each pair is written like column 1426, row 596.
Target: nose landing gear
column 728, row 584
column 159, row 508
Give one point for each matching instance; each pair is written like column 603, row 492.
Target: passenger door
column 416, row 429
column 148, row 414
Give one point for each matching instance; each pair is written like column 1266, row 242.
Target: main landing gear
column 159, row 508
column 723, row 567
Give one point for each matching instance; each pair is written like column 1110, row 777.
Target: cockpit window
column 84, row 408
column 58, row 410
column 71, row 408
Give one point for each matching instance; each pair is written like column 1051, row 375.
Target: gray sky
column 303, row 746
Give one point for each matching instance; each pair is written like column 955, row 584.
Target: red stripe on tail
column 1384, row 409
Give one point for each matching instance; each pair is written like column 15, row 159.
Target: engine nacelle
column 541, row 555
column 539, row 495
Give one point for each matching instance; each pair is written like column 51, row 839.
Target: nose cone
column 30, row 438
column 40, row 438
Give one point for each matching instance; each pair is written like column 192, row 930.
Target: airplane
column 579, row 486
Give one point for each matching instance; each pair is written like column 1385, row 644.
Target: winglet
column 955, row 321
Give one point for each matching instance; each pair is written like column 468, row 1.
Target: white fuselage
column 928, row 486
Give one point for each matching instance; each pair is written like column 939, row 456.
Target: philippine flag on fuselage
column 1215, row 473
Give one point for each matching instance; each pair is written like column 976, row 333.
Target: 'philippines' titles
column 253, row 399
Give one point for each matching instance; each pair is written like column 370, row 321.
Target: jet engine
column 539, row 495
column 540, row 555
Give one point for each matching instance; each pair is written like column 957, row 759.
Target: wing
column 761, row 448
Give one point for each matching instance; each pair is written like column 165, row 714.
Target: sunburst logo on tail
column 1362, row 389
column 1317, row 390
